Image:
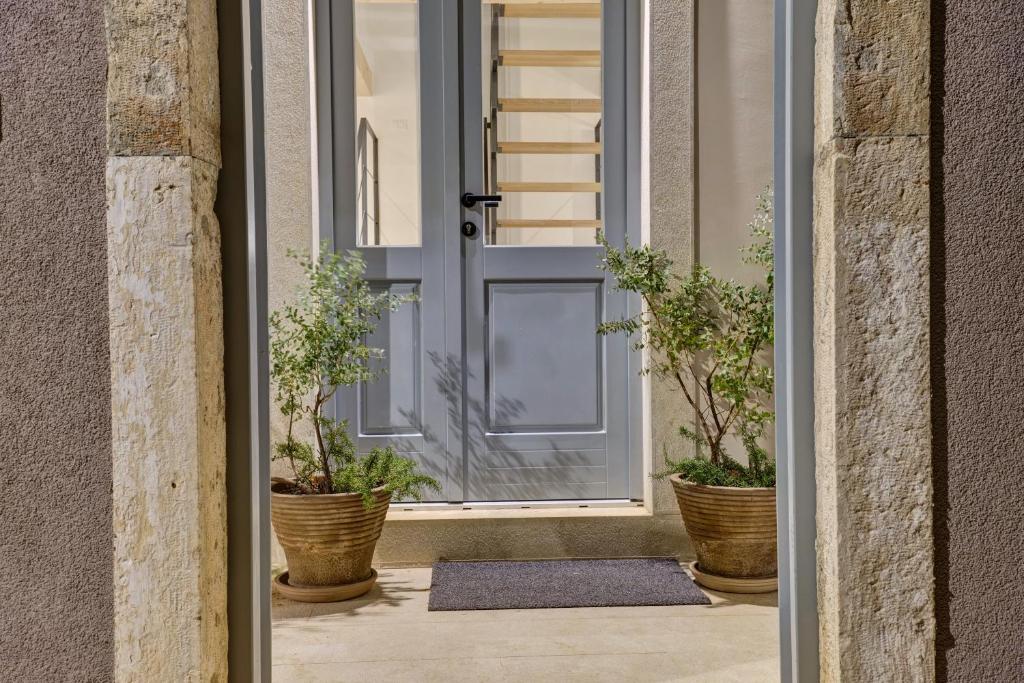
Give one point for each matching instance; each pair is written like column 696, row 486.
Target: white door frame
column 249, row 554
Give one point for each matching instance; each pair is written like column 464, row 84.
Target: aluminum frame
column 794, row 334
column 794, row 99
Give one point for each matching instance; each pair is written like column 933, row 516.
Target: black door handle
column 490, row 201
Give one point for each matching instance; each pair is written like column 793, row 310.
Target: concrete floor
column 390, row 636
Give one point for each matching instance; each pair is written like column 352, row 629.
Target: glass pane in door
column 542, row 105
column 387, row 77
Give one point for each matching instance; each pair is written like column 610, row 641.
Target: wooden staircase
column 549, row 58
column 502, row 58
column 542, row 10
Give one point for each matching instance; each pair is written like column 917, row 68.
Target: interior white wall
column 389, row 37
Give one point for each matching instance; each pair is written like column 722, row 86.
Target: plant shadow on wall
column 712, row 338
column 449, row 378
column 472, row 431
column 329, row 515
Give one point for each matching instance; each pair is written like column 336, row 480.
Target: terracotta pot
column 328, row 539
column 733, row 531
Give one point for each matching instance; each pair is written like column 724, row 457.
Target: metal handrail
column 597, row 172
column 491, row 130
column 365, row 135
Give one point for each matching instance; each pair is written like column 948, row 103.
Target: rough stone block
column 167, row 394
column 873, row 67
column 163, row 95
column 872, row 394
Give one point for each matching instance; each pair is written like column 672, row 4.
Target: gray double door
column 497, row 382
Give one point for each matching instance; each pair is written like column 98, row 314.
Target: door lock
column 469, row 228
column 490, row 201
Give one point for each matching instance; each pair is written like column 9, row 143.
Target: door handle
column 490, row 201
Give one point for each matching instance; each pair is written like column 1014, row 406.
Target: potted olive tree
column 713, row 338
column 329, row 515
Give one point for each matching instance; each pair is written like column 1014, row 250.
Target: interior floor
column 389, row 635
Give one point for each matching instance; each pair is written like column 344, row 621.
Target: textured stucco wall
column 286, row 71
column 672, row 172
column 56, row 618
column 871, row 374
column 978, row 338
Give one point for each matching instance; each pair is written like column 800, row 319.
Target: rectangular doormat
column 539, row 584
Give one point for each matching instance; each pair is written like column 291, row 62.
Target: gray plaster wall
column 56, row 547
column 733, row 138
column 978, row 337
column 710, row 154
column 734, row 128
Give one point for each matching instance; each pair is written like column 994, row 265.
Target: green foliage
column 713, row 338
column 350, row 472
column 318, row 343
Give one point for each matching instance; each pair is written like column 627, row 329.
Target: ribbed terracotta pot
column 733, row 531
column 328, row 539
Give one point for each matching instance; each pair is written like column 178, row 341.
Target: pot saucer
column 728, row 584
column 345, row 591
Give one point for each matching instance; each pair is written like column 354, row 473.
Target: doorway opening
column 475, row 167
column 520, row 289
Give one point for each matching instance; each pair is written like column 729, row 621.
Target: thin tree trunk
column 325, row 464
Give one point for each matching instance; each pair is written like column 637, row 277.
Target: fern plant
column 712, row 337
column 318, row 343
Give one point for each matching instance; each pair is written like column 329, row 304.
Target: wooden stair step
column 548, row 223
column 549, row 147
column 549, row 57
column 548, row 187
column 544, row 10
column 547, row 104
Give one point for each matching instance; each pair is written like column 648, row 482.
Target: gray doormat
column 561, row 583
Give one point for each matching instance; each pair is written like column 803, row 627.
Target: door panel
column 544, row 121
column 544, row 361
column 392, row 403
column 391, row 177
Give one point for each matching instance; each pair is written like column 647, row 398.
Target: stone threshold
column 417, row 538
column 419, row 512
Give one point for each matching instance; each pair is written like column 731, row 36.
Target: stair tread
column 549, row 223
column 548, row 187
column 570, row 58
column 538, row 10
column 549, row 104
column 549, row 147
